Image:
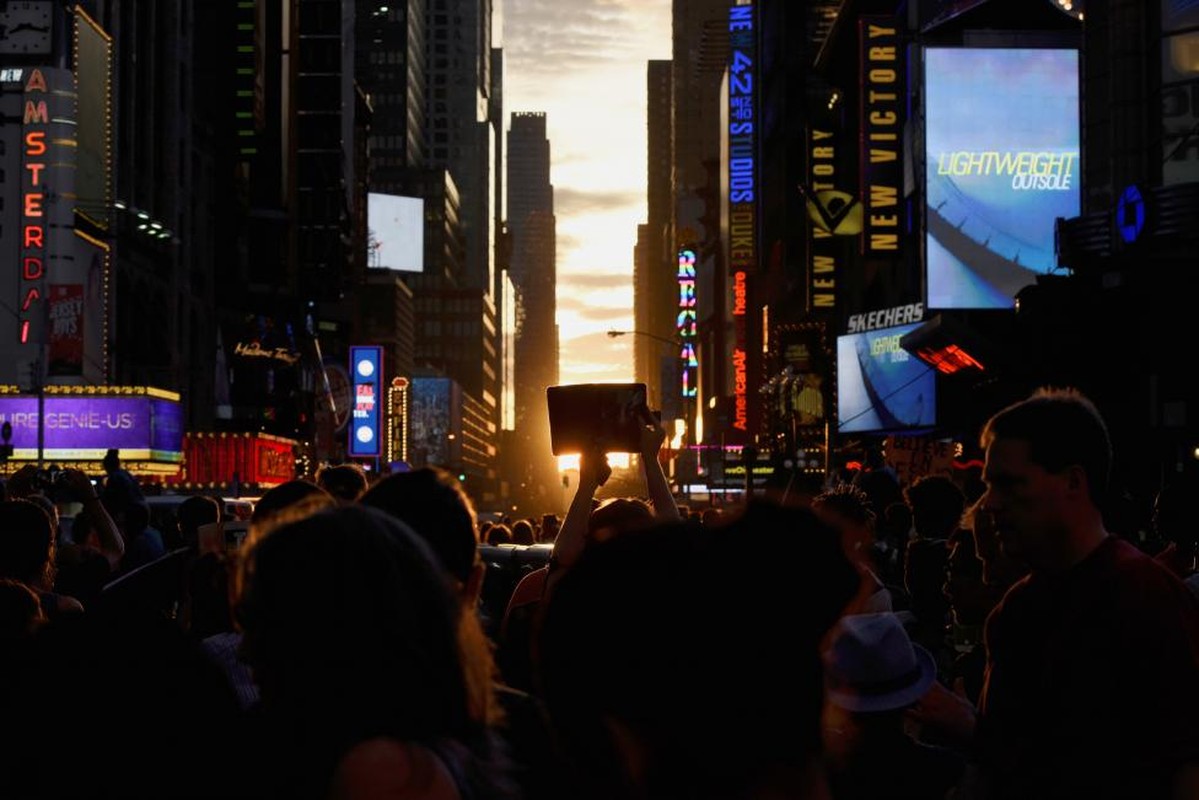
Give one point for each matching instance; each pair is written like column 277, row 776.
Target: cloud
column 568, row 241
column 595, row 280
column 543, row 37
column 571, row 202
column 602, row 313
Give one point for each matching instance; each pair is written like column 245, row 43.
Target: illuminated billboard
column 742, row 192
column 431, row 419
column 397, row 232
column 882, row 387
column 689, row 366
column 366, row 366
column 84, row 427
column 1002, row 164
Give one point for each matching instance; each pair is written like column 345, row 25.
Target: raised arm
column 656, row 485
column 112, row 544
column 572, row 537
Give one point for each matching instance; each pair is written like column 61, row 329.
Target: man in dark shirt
column 1092, row 685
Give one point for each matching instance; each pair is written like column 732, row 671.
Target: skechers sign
column 1002, row 139
column 900, row 315
column 366, row 367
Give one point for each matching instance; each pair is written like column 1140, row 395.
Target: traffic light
column 462, row 477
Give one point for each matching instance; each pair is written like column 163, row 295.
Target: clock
column 25, row 27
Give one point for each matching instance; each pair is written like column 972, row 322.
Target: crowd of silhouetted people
column 974, row 640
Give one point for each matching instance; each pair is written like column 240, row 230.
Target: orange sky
column 583, row 63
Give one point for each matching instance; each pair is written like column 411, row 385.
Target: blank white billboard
column 397, row 232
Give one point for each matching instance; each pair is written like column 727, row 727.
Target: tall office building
column 531, row 225
column 458, row 86
column 701, row 52
column 655, row 297
column 390, row 68
column 700, row 57
column 325, row 130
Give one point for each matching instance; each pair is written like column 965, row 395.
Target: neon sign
column 740, row 391
column 366, row 366
column 742, row 150
column 687, row 323
column 33, row 227
column 742, row 178
column 949, row 359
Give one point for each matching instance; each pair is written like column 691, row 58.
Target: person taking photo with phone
column 585, row 520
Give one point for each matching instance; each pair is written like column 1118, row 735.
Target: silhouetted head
column 282, row 496
column 1047, row 469
column 26, row 544
column 669, row 674
column 937, row 505
column 346, row 482
column 499, row 534
column 522, row 533
column 618, row 515
column 432, row 503
column 194, row 512
column 385, row 622
column 20, row 612
column 847, row 509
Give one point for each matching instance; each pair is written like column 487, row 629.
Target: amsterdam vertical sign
column 881, row 126
column 743, row 229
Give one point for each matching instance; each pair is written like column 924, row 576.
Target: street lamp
column 672, row 342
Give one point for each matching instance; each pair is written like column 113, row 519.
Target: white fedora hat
column 874, row 666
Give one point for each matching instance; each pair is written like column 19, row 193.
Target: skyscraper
column 531, row 224
column 390, row 67
column 701, row 55
column 656, row 292
column 458, row 86
column 327, row 109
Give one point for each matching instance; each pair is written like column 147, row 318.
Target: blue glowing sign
column 882, row 387
column 1002, row 139
column 366, row 367
column 741, row 135
column 1130, row 214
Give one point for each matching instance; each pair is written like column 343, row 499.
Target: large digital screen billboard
column 881, row 386
column 431, row 419
column 397, row 232
column 1002, row 164
column 83, row 428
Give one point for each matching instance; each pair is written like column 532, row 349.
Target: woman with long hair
column 351, row 630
